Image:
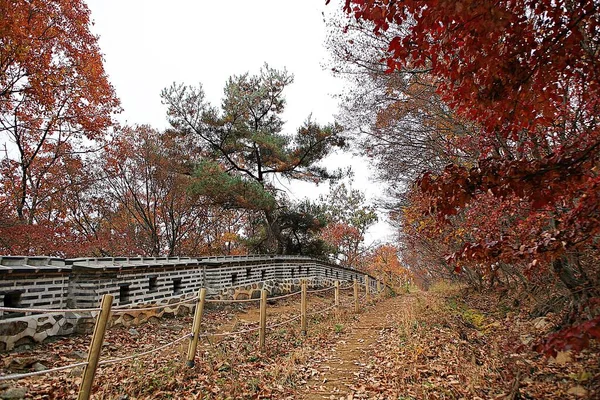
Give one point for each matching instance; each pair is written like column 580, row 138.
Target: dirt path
column 343, row 373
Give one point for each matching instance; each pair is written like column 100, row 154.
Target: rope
column 320, row 290
column 46, row 371
column 347, row 287
column 229, row 333
column 230, row 301
column 284, row 322
column 320, row 311
column 248, row 300
column 116, row 310
column 286, row 295
column 48, row 310
column 116, row 360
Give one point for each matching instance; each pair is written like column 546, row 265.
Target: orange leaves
column 340, row 234
column 383, row 263
column 54, row 94
column 53, row 64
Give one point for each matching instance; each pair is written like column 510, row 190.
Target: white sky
column 149, row 44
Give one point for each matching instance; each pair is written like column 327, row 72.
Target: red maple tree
column 526, row 74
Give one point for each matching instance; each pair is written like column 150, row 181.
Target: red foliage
column 504, row 64
column 526, row 73
column 575, row 338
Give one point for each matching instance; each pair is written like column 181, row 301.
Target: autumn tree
column 384, row 264
column 56, row 101
column 348, row 218
column 525, row 74
column 245, row 145
column 396, row 117
column 145, row 175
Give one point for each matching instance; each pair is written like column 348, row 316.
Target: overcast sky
column 149, row 44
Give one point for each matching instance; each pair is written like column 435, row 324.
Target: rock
column 77, row 371
column 242, row 296
column 526, row 339
column 38, row 366
column 24, row 344
column 134, row 332
column 21, row 364
column 175, row 328
column 13, row 393
column 12, row 328
column 78, row 355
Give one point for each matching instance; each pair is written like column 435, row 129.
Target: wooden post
column 378, row 288
column 263, row 319
column 337, row 296
column 356, row 308
column 85, row 389
column 196, row 327
column 367, row 288
column 303, row 308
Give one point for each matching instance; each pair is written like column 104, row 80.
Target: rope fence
column 224, row 334
column 105, row 310
column 134, row 307
column 320, row 311
column 145, row 353
column 320, row 290
column 287, row 321
column 36, row 373
column 124, row 309
column 48, row 310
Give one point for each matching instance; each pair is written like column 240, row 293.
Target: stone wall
column 133, row 286
column 22, row 332
column 138, row 282
column 273, row 287
column 32, row 282
column 19, row 333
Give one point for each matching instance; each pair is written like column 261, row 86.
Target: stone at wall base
column 13, row 393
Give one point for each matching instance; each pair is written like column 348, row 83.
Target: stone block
column 44, row 326
column 13, row 328
column 40, row 336
column 241, row 296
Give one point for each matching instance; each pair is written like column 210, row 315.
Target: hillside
column 441, row 344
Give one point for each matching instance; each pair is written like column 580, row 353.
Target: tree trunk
column 561, row 268
column 275, row 232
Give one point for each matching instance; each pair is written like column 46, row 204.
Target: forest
column 480, row 117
